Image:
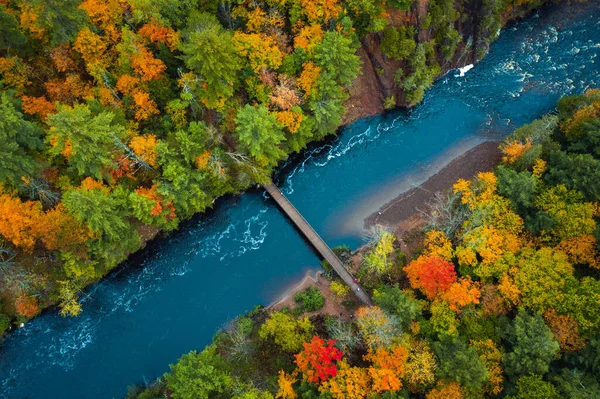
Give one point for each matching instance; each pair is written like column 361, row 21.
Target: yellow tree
column 320, row 10
column 285, row 383
column 377, row 260
column 260, row 50
column 572, row 216
column 92, row 48
column 308, row 77
column 449, row 390
column 349, row 383
column 286, row 331
column 420, row 367
column 20, row 222
column 581, row 250
column 513, row 150
column 542, row 277
column 437, row 244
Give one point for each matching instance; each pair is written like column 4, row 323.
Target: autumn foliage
column 20, row 222
column 388, row 368
column 565, row 330
column 26, row 306
column 462, row 293
column 38, row 106
column 318, row 360
column 431, row 275
column 446, row 391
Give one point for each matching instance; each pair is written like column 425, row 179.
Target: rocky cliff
column 376, row 82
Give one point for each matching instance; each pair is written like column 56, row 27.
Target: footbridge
column 317, row 242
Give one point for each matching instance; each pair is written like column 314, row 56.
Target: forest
column 499, row 298
column 121, row 118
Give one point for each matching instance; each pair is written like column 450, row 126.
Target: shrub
column 310, row 299
column 4, row 323
column 339, row 289
column 349, row 304
column 287, row 332
column 390, row 102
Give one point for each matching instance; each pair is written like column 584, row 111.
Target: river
column 171, row 297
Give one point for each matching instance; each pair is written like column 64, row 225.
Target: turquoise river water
column 171, row 297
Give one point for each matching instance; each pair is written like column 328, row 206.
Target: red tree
column 432, row 275
column 317, row 361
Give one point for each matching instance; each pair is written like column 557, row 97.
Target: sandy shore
column 482, row 157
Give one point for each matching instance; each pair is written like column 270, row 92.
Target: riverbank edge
column 481, row 158
column 151, row 233
column 406, row 206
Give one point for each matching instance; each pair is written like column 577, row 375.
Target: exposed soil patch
column 333, row 304
column 481, row 158
column 366, row 97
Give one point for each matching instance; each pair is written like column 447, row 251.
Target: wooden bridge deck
column 317, row 242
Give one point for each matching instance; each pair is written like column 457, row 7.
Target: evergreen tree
column 209, row 52
column 18, row 138
column 533, row 345
column 86, row 141
column 259, row 134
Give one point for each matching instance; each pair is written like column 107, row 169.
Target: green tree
column 443, row 15
column 396, row 302
column 105, row 213
column 543, row 277
column 534, row 387
column 208, row 50
column 327, row 112
column 18, row 138
column 253, row 393
column 4, row 323
column 400, row 4
column 11, row 38
column 310, row 300
column 181, row 184
column 199, row 376
column 88, row 142
column 582, row 302
column 576, row 384
column 336, row 55
column 571, row 215
column 61, row 18
column 367, row 15
column 422, row 75
column 461, row 363
column 170, row 12
column 579, row 172
column 259, row 134
column 191, row 188
column 443, row 322
column 533, row 346
column 519, row 187
column 398, row 42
